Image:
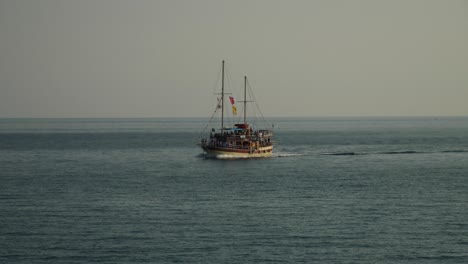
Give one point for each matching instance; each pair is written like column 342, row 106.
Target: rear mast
column 245, row 100
column 222, row 99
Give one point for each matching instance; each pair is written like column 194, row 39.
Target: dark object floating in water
column 402, row 152
column 342, row 154
column 455, row 151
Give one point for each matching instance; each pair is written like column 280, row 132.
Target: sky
column 162, row 58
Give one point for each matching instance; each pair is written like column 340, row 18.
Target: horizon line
column 266, row 117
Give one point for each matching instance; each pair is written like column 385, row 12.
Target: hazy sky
column 122, row 58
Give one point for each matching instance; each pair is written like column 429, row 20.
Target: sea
column 139, row 190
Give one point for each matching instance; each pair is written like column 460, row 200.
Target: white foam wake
column 227, row 156
column 286, row 154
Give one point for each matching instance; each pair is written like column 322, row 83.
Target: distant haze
column 120, row 58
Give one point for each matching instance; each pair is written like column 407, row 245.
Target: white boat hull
column 222, row 153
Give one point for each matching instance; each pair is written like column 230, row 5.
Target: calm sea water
column 338, row 190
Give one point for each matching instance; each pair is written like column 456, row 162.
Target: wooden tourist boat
column 240, row 140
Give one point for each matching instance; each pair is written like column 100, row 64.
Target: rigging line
column 211, row 119
column 255, row 100
column 215, row 86
column 229, row 87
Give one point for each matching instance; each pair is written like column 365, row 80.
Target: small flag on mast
column 234, row 110
column 232, row 100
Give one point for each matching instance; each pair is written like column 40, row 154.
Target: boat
column 241, row 140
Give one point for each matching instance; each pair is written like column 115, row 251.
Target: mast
column 222, row 100
column 245, row 100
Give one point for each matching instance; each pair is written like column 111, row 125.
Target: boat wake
column 236, row 157
column 227, row 156
column 342, row 154
column 348, row 153
column 455, row 151
column 286, row 154
column 402, row 152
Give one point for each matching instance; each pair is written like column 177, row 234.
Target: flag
column 232, row 100
column 234, row 110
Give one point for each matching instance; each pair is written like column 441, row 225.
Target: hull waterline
column 223, row 153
